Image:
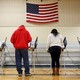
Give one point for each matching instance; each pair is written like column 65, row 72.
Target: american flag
column 42, row 13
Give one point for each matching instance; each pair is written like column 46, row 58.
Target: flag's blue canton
column 32, row 8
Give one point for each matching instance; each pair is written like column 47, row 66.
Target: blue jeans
column 19, row 54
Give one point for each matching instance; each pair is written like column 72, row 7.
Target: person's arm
column 48, row 44
column 62, row 44
column 12, row 39
column 29, row 37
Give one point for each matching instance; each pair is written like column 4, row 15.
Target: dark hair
column 54, row 32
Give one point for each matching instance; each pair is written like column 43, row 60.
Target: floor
column 40, row 74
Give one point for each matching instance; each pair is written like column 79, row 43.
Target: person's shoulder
column 49, row 35
column 15, row 32
column 27, row 31
column 59, row 34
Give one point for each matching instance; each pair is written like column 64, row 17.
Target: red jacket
column 20, row 38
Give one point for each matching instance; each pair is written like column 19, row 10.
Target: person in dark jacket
column 20, row 39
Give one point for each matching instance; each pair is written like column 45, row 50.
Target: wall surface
column 13, row 14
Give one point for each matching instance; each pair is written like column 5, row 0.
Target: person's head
column 21, row 26
column 54, row 32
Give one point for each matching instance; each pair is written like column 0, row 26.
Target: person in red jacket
column 20, row 39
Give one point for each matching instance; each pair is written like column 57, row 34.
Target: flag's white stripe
column 44, row 15
column 46, row 12
column 47, row 8
column 41, row 17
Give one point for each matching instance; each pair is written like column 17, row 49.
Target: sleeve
column 62, row 44
column 48, row 42
column 12, row 39
column 29, row 37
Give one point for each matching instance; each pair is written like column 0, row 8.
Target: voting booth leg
column 33, row 61
column 63, row 60
column 2, row 57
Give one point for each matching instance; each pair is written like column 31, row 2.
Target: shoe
column 57, row 74
column 20, row 72
column 28, row 74
column 20, row 75
column 53, row 74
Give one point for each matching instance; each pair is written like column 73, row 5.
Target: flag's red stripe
column 42, row 19
column 48, row 13
column 41, row 7
column 48, row 4
column 42, row 22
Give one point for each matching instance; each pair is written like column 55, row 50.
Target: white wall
column 13, row 14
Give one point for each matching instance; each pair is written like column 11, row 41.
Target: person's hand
column 0, row 49
column 62, row 49
column 47, row 51
column 29, row 48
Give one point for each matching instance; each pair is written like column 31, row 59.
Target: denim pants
column 19, row 55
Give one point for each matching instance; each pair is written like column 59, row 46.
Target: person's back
column 55, row 40
column 21, row 38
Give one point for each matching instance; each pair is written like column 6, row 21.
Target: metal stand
column 63, row 59
column 65, row 44
column 3, row 54
column 33, row 59
column 33, row 46
column 2, row 59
